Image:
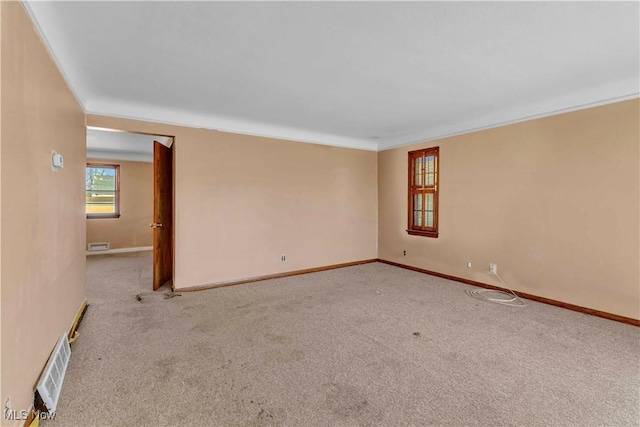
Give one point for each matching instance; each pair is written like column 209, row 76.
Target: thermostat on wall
column 57, row 161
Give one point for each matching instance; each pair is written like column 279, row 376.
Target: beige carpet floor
column 364, row 345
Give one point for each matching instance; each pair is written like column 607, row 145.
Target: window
column 423, row 192
column 103, row 191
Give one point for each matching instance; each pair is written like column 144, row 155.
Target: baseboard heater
column 50, row 383
column 100, row 246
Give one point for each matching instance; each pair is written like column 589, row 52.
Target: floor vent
column 101, row 246
column 50, row 384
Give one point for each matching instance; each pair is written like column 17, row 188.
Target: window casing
column 103, row 191
column 423, row 192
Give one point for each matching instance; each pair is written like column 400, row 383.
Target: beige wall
column 136, row 208
column 43, row 232
column 554, row 202
column 242, row 201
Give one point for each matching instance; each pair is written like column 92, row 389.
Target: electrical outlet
column 283, row 258
column 493, row 268
column 404, row 253
column 469, row 264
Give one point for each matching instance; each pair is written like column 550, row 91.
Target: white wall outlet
column 493, row 268
column 469, row 264
column 404, row 253
column 283, row 257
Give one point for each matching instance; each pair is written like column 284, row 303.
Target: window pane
column 417, row 202
column 417, row 218
column 429, row 179
column 430, row 164
column 101, row 178
column 428, row 201
column 417, row 171
column 428, row 219
column 101, row 202
column 429, row 170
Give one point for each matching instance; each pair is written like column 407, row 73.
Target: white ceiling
column 368, row 75
column 115, row 145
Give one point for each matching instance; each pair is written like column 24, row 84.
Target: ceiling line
column 367, row 145
column 380, row 146
column 551, row 113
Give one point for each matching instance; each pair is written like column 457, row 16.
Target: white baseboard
column 121, row 250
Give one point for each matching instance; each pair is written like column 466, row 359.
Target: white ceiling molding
column 224, row 124
column 504, row 118
column 364, row 75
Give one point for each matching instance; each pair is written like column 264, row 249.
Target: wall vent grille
column 100, row 246
column 50, row 384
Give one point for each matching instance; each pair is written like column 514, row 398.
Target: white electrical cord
column 511, row 300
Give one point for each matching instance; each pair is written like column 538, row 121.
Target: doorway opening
column 130, row 198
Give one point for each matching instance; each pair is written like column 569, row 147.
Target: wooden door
column 162, row 215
